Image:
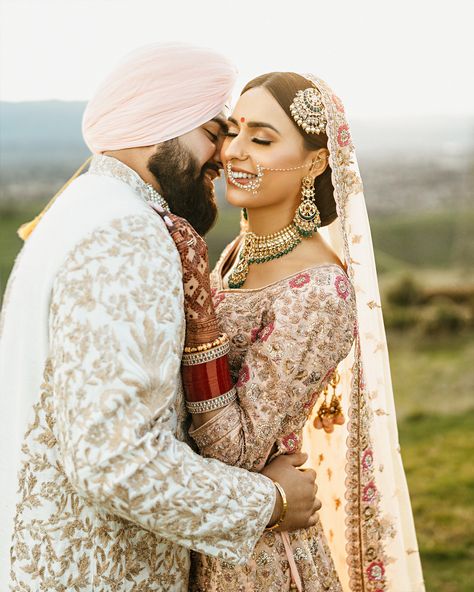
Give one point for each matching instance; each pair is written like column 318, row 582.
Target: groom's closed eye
column 215, row 129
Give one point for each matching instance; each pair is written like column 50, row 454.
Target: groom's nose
column 216, row 157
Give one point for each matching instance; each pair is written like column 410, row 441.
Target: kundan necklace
column 259, row 249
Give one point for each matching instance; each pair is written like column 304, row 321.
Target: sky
column 384, row 58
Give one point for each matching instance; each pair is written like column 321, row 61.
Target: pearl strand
column 156, row 198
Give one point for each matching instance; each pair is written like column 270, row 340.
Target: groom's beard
column 188, row 192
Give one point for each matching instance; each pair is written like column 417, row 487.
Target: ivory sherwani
column 110, row 496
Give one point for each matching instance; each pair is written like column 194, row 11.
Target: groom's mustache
column 211, row 166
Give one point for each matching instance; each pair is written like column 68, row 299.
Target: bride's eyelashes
column 262, row 142
column 256, row 140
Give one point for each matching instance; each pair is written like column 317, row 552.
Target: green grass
column 433, row 383
column 432, row 376
column 431, row 239
column 11, row 217
column 437, row 454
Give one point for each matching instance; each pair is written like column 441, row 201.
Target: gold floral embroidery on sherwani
column 109, row 497
column 286, row 339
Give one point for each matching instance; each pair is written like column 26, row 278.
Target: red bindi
column 242, row 120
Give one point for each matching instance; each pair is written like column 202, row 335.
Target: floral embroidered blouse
column 286, row 339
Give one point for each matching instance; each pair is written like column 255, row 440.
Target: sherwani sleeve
column 308, row 330
column 116, row 344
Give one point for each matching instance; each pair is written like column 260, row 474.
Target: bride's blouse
column 286, row 339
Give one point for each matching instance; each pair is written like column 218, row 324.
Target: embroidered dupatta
column 366, row 509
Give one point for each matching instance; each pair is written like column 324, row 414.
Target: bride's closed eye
column 256, row 140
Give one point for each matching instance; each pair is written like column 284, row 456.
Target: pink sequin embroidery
column 244, row 375
column 267, row 331
column 367, row 460
column 218, row 299
column 342, row 286
column 369, row 492
column 343, row 135
column 290, row 442
column 376, row 571
column 300, row 280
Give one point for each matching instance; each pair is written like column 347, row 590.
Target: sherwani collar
column 111, row 167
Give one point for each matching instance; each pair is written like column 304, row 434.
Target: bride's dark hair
column 283, row 86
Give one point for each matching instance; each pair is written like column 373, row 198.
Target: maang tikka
column 308, row 112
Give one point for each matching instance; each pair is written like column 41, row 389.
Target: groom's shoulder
column 94, row 202
column 97, row 216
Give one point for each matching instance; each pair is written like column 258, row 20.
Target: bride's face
column 260, row 133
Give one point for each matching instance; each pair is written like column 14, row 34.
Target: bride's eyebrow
column 255, row 124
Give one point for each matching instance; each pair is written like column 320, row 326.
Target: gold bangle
column 194, row 358
column 284, row 510
column 189, row 349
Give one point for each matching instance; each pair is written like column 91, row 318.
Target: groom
column 110, row 495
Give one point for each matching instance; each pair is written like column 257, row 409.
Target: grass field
column 433, row 385
column 437, row 452
column 433, row 382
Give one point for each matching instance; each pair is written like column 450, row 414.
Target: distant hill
column 41, row 133
column 411, row 164
column 42, row 130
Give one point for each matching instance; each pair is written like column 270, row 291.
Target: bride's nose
column 234, row 149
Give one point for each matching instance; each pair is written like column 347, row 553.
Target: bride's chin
column 240, row 198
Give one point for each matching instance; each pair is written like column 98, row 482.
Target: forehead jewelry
column 308, row 112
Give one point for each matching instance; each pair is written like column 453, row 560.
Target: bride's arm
column 310, row 331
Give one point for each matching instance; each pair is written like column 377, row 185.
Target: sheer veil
column 366, row 510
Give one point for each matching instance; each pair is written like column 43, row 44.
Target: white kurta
column 110, row 497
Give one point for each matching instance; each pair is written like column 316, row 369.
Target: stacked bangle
column 284, row 510
column 212, row 404
column 201, row 357
column 205, row 346
column 206, row 376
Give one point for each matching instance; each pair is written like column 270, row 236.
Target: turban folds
column 156, row 93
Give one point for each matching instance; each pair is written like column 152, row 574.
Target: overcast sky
column 384, row 58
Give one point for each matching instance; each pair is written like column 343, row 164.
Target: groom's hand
column 300, row 489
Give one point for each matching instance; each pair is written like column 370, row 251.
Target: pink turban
column 156, row 93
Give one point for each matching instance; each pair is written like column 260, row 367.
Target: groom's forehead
column 221, row 120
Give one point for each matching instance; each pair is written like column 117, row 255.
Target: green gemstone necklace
column 260, row 249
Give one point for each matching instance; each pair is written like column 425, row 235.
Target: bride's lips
column 241, row 176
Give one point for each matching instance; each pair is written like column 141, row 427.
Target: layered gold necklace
column 260, row 249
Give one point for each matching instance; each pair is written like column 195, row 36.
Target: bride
column 286, row 350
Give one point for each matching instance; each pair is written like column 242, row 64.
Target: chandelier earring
column 307, row 217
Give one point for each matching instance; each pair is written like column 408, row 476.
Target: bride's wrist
column 201, row 331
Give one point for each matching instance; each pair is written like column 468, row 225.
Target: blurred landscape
column 419, row 187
